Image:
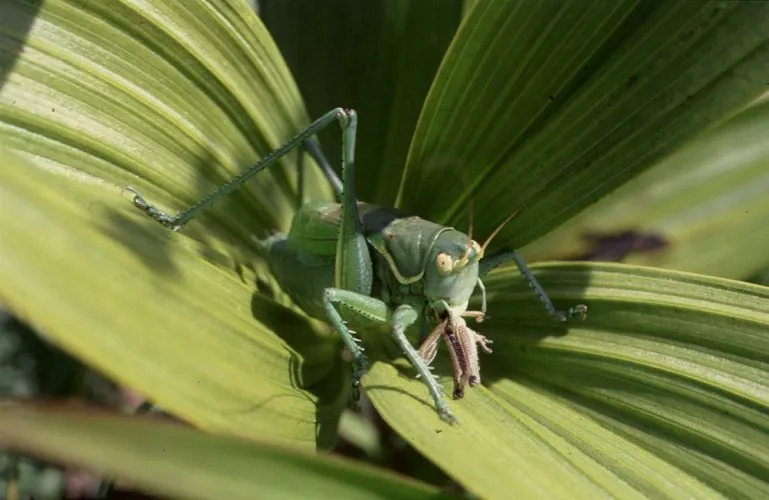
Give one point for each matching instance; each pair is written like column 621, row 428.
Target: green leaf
column 662, row 392
column 171, row 100
column 685, row 213
column 172, row 460
column 377, row 57
column 547, row 106
column 174, row 100
column 762, row 277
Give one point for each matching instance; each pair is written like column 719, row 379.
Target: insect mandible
column 359, row 265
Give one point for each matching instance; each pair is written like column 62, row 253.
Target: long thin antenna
column 498, row 229
column 470, row 225
column 470, row 215
column 525, row 203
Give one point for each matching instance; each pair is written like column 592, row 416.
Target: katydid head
column 452, row 270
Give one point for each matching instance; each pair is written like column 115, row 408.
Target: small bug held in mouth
column 462, row 343
column 357, row 265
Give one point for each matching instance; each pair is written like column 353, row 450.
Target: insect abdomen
column 303, row 260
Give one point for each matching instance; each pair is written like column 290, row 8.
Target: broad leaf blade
column 378, row 57
column 172, row 460
column 662, row 391
column 762, row 277
column 154, row 310
column 173, row 99
column 547, row 106
column 685, row 213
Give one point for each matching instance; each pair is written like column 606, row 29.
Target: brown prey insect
column 461, row 342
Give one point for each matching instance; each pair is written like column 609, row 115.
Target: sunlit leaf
column 662, row 392
column 543, row 105
column 171, row 98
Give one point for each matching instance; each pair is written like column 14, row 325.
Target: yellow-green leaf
column 172, row 460
column 662, row 392
column 171, row 98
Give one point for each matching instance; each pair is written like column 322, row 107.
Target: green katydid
column 337, row 255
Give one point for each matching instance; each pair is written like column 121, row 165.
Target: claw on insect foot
column 447, row 416
column 578, row 312
column 481, row 319
column 137, row 199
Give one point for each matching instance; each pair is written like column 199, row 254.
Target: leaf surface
column 378, row 57
column 173, row 460
column 545, row 107
column 662, row 392
column 171, row 99
column 686, row 212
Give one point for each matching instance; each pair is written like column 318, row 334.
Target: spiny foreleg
column 404, row 317
column 488, row 263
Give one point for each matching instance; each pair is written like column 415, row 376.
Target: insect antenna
column 468, row 247
column 470, row 225
column 499, row 228
column 525, row 203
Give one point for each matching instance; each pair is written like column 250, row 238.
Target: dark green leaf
column 548, row 106
column 378, row 57
column 687, row 212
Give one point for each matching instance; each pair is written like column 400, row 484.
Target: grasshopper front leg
column 354, row 273
column 487, row 264
column 404, row 317
column 345, row 309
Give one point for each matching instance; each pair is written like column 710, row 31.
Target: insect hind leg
column 151, row 211
column 312, row 147
column 343, row 117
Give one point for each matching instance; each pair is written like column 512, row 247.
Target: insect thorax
column 402, row 249
column 390, row 290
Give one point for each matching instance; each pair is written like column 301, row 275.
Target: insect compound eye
column 444, row 263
